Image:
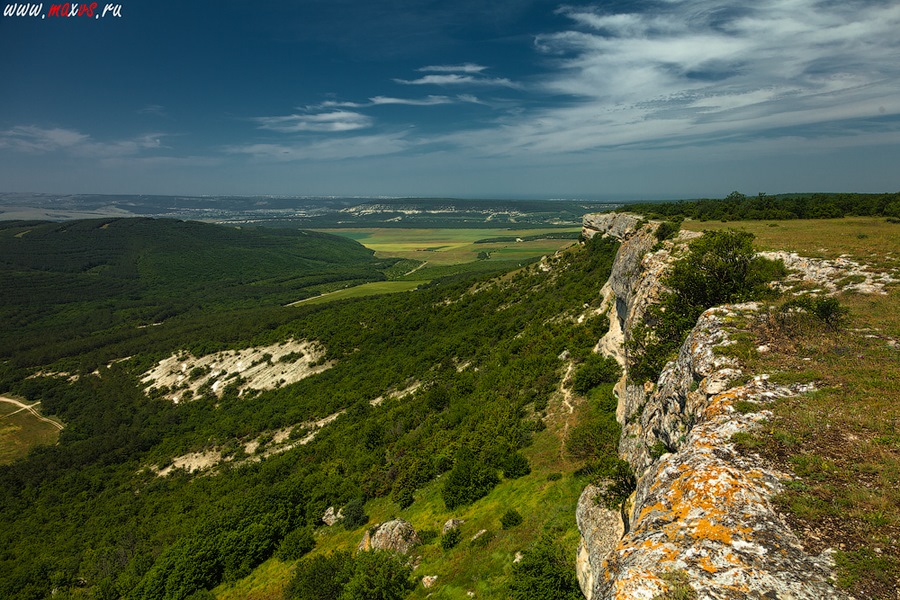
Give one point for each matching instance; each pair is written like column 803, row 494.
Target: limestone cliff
column 702, row 514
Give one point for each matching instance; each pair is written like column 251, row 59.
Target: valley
column 194, row 445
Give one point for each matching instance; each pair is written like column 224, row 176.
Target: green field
column 359, row 291
column 870, row 239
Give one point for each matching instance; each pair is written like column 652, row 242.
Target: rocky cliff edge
column 701, row 521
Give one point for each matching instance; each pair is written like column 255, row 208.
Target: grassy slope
column 843, row 442
column 546, row 505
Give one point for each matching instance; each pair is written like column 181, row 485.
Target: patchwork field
column 455, row 246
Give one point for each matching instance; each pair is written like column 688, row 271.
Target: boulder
column 330, row 517
column 397, row 536
column 451, row 524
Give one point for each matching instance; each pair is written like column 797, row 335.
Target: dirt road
column 29, row 408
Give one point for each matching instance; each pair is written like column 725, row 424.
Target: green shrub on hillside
column 545, row 572
column 296, row 544
column 516, row 466
column 369, row 575
column 450, row 539
column 468, row 481
column 596, row 369
column 354, row 514
column 510, row 519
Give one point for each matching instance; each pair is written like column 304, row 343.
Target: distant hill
column 305, row 212
column 88, row 276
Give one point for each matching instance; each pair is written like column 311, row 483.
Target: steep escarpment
column 701, row 518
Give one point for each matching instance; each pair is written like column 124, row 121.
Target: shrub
column 450, row 539
column 658, row 449
column 595, row 370
column 354, row 514
column 510, row 519
column 668, row 229
column 426, row 536
column 721, row 268
column 516, row 466
column 378, row 574
column 827, row 310
column 545, row 573
column 373, row 574
column 468, row 481
column 296, row 544
column 594, row 436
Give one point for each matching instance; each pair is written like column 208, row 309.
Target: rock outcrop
column 451, row 524
column 701, row 510
column 331, row 517
column 397, row 536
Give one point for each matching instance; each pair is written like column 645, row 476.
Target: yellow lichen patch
column 669, row 553
column 708, row 530
column 706, row 564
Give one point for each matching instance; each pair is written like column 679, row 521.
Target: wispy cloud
column 356, row 146
column 334, row 121
column 704, row 72
column 430, row 100
column 39, row 140
column 456, row 79
column 153, row 109
column 464, row 68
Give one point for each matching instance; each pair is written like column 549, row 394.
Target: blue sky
column 508, row 98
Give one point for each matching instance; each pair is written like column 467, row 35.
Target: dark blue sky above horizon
column 512, row 98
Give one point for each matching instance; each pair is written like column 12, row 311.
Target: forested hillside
column 738, row 207
column 95, row 278
column 91, row 517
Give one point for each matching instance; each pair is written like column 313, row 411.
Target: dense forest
column 90, row 518
column 738, row 207
column 86, row 281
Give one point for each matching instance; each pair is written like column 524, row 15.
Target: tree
column 321, row 577
column 296, row 544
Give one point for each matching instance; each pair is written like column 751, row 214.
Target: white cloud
column 39, row 140
column 456, row 79
column 357, row 146
column 153, row 109
column 334, row 121
column 704, row 71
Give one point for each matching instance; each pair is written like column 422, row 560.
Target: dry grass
column 843, row 442
column 869, row 239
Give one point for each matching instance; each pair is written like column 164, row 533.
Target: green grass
column 360, row 291
column 822, row 238
column 545, row 503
